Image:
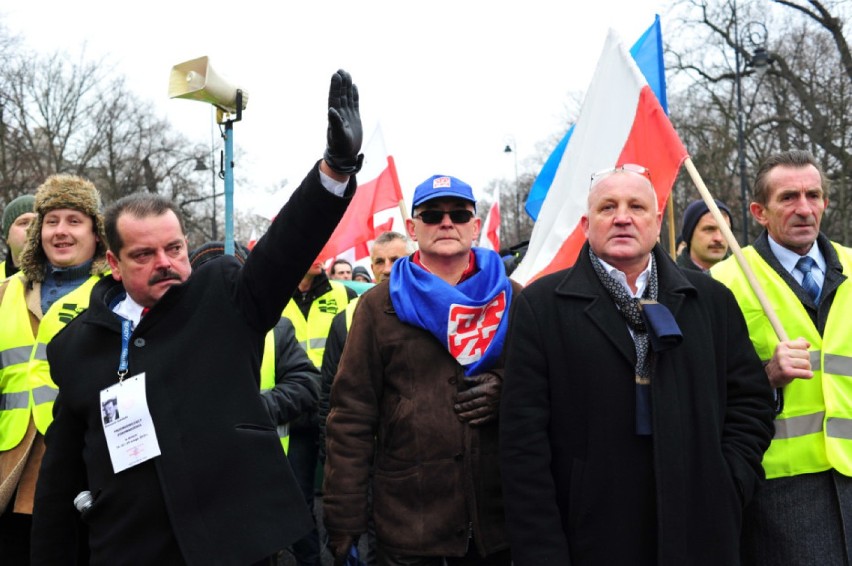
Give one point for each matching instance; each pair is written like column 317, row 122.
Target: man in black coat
column 624, row 441
column 196, row 474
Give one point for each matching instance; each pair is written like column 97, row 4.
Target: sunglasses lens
column 461, row 216
column 436, row 216
column 432, row 216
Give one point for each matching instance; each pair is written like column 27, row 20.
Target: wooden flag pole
column 736, row 250
column 672, row 238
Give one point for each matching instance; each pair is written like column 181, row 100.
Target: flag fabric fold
column 490, row 238
column 621, row 121
column 648, row 54
column 379, row 191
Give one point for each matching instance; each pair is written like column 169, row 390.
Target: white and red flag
column 621, row 121
column 379, row 193
column 490, row 238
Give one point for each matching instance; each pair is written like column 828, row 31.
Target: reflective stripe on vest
column 25, row 379
column 812, row 433
column 16, row 347
column 12, row 356
column 313, row 332
column 267, row 381
column 19, row 400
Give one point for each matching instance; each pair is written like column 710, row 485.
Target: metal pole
column 740, row 135
column 517, row 210
column 229, row 187
column 213, row 176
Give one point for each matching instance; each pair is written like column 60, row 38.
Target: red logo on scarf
column 470, row 330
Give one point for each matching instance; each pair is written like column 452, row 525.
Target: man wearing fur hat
column 64, row 256
column 17, row 217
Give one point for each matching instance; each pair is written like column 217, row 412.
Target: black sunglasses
column 437, row 216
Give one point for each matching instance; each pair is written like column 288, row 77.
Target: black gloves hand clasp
column 478, row 404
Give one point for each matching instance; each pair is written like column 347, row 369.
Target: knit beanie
column 693, row 214
column 361, row 270
column 18, row 206
column 63, row 191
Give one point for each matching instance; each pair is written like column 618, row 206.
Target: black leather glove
column 478, row 404
column 344, row 135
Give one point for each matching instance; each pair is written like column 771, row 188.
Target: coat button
column 139, row 342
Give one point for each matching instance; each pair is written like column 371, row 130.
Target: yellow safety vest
column 25, row 383
column 313, row 332
column 814, row 431
column 350, row 312
column 267, row 382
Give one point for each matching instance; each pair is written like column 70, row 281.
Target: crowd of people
column 174, row 406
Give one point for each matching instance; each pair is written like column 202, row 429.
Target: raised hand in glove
column 339, row 546
column 478, row 403
column 344, row 126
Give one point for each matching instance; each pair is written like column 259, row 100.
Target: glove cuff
column 345, row 165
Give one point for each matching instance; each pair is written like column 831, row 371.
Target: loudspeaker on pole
column 196, row 80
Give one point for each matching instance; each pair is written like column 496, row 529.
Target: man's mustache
column 163, row 276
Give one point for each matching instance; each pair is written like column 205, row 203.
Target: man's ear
column 112, row 259
column 477, row 227
column 759, row 212
column 409, row 227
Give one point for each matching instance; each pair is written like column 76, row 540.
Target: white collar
column 641, row 280
column 788, row 258
column 129, row 309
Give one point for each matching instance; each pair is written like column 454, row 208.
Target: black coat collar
column 581, row 282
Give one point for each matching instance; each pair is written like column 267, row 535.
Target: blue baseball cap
column 438, row 186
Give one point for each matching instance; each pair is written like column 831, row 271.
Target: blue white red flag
column 648, row 54
column 621, row 121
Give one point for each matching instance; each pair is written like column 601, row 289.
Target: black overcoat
column 580, row 487
column 222, row 491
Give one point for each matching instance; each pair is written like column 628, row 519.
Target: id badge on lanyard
column 127, row 422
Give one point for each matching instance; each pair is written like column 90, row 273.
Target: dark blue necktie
column 805, row 265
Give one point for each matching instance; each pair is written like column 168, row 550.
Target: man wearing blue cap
column 416, row 397
column 705, row 245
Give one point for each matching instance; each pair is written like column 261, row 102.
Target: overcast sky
column 450, row 83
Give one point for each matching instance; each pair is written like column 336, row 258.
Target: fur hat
column 18, row 206
column 63, row 191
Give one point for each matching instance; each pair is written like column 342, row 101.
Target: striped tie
column 805, row 265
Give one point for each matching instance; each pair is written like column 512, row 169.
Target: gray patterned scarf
column 630, row 309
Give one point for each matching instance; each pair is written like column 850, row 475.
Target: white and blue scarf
column 469, row 319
